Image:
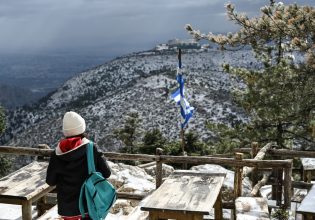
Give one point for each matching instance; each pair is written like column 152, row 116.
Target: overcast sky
column 117, row 26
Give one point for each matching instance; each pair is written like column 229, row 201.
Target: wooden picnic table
column 25, row 186
column 308, row 166
column 307, row 207
column 186, row 195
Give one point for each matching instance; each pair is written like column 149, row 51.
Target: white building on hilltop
column 184, row 44
column 162, row 47
column 177, row 43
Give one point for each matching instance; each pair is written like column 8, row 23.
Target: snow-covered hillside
column 139, row 82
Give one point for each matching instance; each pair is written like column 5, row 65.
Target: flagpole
column 182, row 130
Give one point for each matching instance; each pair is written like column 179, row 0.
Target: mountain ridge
column 141, row 82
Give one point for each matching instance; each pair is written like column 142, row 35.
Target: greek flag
column 186, row 110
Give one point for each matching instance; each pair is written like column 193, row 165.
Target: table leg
column 153, row 216
column 307, row 217
column 41, row 206
column 197, row 217
column 309, row 176
column 218, row 214
column 27, row 210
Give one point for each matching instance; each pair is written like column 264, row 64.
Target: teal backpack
column 100, row 195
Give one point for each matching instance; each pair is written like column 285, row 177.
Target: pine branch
column 298, row 135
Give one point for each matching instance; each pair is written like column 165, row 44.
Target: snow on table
column 308, row 167
column 308, row 163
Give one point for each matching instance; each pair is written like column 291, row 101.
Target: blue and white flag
column 186, row 110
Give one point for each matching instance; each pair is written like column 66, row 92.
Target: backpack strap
column 81, row 205
column 90, row 157
column 91, row 169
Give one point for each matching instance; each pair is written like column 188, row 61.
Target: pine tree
column 194, row 146
column 2, row 120
column 128, row 134
column 5, row 163
column 152, row 139
column 279, row 97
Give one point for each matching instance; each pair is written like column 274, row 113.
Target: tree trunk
column 260, row 155
column 260, row 183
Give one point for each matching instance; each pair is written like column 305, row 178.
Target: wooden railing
column 281, row 152
column 237, row 163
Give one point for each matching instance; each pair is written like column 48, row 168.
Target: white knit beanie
column 73, row 124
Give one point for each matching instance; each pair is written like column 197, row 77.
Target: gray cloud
column 118, row 26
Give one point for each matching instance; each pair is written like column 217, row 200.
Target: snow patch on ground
column 13, row 212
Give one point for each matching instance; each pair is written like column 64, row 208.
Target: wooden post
column 237, row 181
column 159, row 168
column 182, row 134
column 218, row 213
column 254, row 149
column 278, row 181
column 42, row 146
column 275, row 177
column 279, row 187
column 27, row 210
column 254, row 176
column 238, row 177
column 287, row 186
column 185, row 164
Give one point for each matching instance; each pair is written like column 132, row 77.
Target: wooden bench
column 307, row 207
column 186, row 195
column 251, row 208
column 25, row 186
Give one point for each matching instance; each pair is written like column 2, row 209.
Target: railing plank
column 281, row 152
